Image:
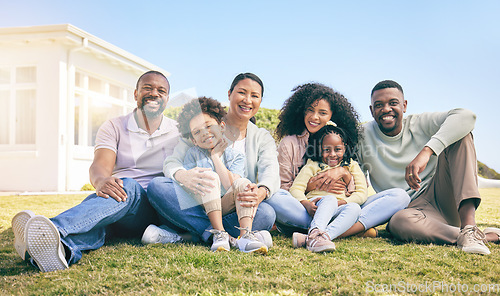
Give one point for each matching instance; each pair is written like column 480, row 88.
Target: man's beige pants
column 433, row 216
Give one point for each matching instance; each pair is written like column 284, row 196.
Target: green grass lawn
column 359, row 265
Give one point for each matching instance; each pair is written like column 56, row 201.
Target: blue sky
column 445, row 54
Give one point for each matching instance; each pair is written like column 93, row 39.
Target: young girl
column 332, row 214
column 201, row 121
column 304, row 113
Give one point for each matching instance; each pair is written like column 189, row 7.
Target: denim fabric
column 378, row 209
column 333, row 219
column 84, row 227
column 291, row 215
column 176, row 206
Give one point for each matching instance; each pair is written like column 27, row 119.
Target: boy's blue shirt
column 199, row 157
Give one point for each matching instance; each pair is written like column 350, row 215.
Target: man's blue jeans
column 84, row 227
column 176, row 206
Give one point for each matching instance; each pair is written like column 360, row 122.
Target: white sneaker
column 220, row 240
column 18, row 226
column 43, row 244
column 472, row 240
column 318, row 241
column 249, row 243
column 299, row 240
column 264, row 237
column 159, row 235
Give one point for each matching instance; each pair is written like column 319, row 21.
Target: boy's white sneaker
column 220, row 240
column 18, row 227
column 159, row 235
column 43, row 244
column 262, row 235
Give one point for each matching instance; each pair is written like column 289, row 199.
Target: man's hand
column 252, row 196
column 416, row 166
column 334, row 180
column 196, row 180
column 111, row 187
column 310, row 206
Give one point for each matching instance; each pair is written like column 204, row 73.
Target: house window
column 18, row 101
column 97, row 100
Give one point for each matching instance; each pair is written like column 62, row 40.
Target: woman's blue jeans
column 176, row 206
column 378, row 209
column 84, row 227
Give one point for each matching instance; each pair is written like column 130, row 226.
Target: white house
column 58, row 84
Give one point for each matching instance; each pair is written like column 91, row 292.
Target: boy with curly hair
column 201, row 120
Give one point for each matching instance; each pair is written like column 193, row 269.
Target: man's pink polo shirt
column 139, row 155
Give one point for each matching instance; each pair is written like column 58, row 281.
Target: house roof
column 76, row 37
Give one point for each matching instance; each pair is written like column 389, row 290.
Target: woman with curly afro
column 309, row 108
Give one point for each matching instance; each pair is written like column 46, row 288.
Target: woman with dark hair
column 259, row 148
column 309, row 108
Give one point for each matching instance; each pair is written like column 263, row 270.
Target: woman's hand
column 252, row 196
column 310, row 206
column 334, row 180
column 341, row 202
column 196, row 180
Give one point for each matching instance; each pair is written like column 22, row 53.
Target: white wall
column 36, row 169
column 79, row 158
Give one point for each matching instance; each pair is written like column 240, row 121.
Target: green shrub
column 486, row 172
column 172, row 113
column 87, row 187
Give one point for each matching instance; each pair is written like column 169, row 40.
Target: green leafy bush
column 486, row 172
column 87, row 187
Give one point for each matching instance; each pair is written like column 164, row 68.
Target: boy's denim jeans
column 84, row 227
column 176, row 206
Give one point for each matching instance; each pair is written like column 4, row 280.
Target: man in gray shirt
column 432, row 157
column 129, row 153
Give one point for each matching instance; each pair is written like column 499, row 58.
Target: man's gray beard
column 152, row 114
column 155, row 114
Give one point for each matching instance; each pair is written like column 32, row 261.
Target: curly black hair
column 195, row 107
column 314, row 149
column 294, row 108
column 387, row 84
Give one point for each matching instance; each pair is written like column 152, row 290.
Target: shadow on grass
column 13, row 265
